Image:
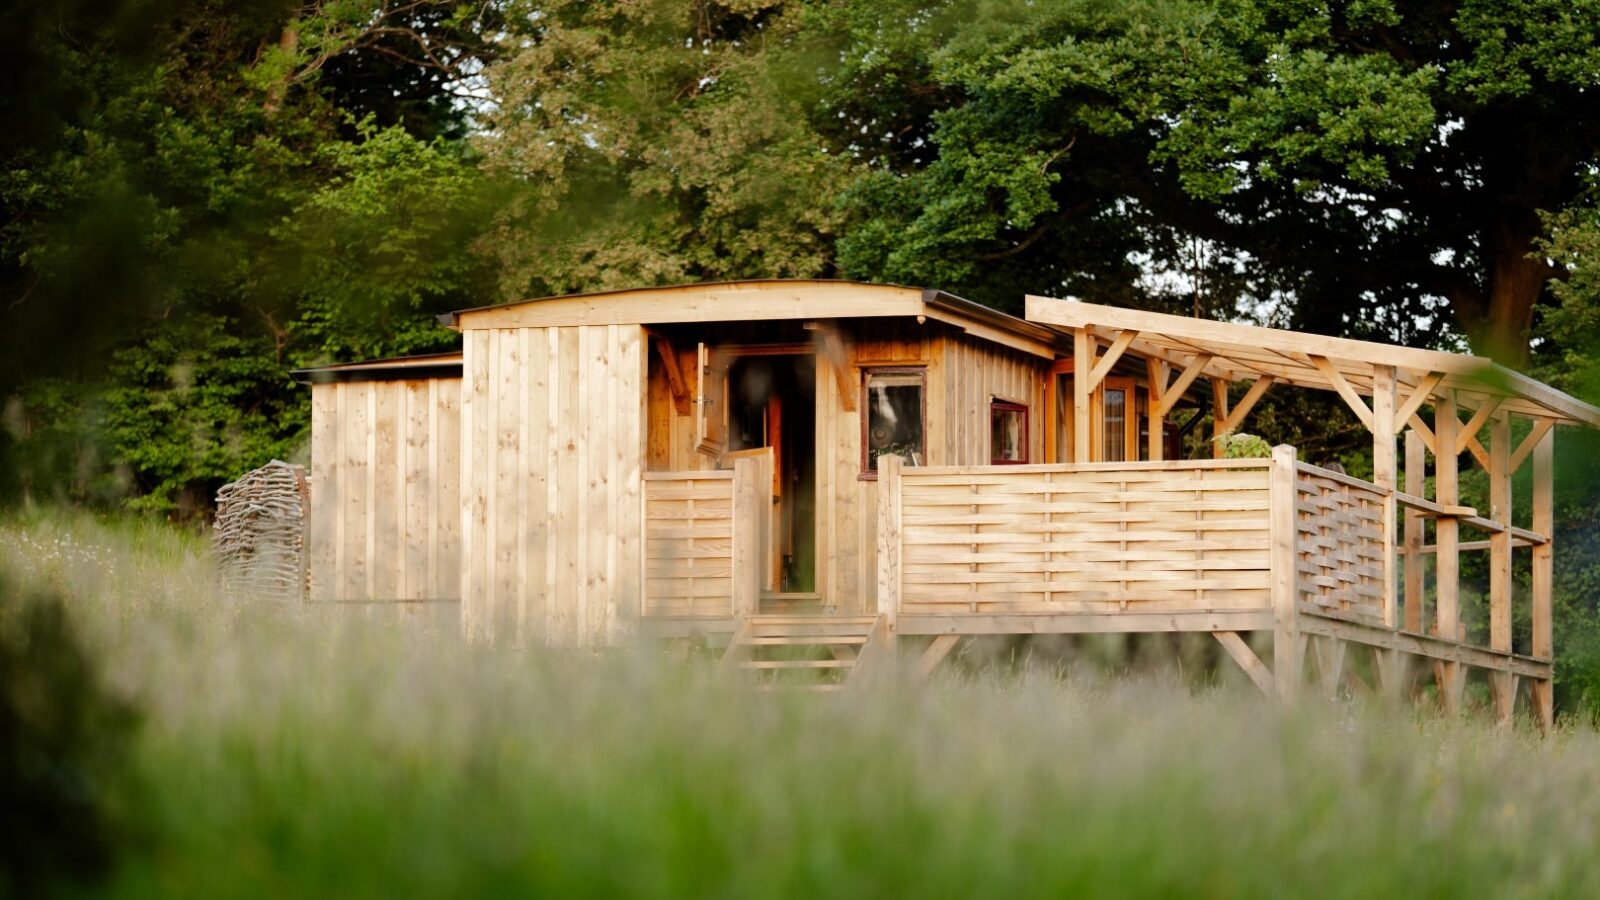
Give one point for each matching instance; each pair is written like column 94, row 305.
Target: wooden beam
column 1313, row 622
column 1282, row 563
column 1246, row 403
column 675, row 382
column 1247, row 660
column 935, row 654
column 1419, row 396
column 1087, row 623
column 1351, row 398
column 1478, row 453
column 1119, row 346
column 1465, row 546
column 1416, row 459
column 1424, row 432
column 1541, row 427
column 1469, row 433
column 1171, row 394
column 832, row 353
column 1543, row 575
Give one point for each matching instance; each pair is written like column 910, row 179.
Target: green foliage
column 63, row 741
column 1244, row 446
column 195, row 404
column 201, row 214
column 1568, row 356
column 1259, row 152
column 656, row 143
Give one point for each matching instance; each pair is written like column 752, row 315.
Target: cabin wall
column 964, row 376
column 553, row 424
column 385, row 490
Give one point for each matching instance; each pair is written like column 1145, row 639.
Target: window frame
column 865, row 407
column 1000, row 404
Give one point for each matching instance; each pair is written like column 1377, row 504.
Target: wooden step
column 795, row 663
column 804, row 639
column 809, row 637
column 773, row 619
column 833, row 687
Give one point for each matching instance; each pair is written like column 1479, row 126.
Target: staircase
column 807, row 653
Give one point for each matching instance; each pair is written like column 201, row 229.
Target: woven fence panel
column 260, row 531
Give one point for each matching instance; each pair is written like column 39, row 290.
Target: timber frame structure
column 860, row 468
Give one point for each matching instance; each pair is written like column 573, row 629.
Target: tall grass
column 285, row 753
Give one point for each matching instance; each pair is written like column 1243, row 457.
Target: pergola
column 1387, row 388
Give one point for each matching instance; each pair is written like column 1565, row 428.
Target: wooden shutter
column 711, row 402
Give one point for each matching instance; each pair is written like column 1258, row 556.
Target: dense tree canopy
column 1375, row 164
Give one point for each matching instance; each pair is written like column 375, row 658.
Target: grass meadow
column 281, row 752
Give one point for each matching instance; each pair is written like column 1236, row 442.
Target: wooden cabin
column 861, row 465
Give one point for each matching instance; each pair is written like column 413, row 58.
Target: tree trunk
column 1498, row 326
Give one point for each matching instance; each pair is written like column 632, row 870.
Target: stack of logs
column 260, row 531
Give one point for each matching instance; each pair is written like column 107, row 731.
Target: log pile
column 260, row 531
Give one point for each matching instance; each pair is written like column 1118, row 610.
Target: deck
column 1227, row 547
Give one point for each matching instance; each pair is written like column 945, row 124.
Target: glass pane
column 1008, row 434
column 1116, row 404
column 894, row 418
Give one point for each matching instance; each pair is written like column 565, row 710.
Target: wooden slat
column 323, row 536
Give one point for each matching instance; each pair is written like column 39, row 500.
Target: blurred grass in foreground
column 290, row 754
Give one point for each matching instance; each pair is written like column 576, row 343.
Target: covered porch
column 1322, row 560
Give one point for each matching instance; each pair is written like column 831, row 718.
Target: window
column 891, row 417
column 1008, row 433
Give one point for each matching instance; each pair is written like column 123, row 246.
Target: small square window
column 1008, row 433
column 891, row 417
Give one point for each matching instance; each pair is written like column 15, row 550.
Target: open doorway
column 772, row 402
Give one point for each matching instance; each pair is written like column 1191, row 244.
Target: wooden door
column 774, row 551
column 711, row 402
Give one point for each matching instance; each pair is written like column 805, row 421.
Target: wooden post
column 1219, row 416
column 1383, row 428
column 1447, row 562
column 1543, row 573
column 752, row 513
column 1416, row 478
column 1083, row 352
column 890, row 541
column 1281, row 527
column 1500, row 590
column 1156, row 372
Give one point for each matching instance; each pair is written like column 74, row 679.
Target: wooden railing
column 688, row 543
column 1188, row 536
column 1344, row 546
column 706, row 540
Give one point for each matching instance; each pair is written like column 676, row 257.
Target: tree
column 200, row 209
column 657, row 142
column 1378, row 163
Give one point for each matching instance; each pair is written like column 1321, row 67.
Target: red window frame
column 997, row 405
